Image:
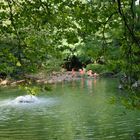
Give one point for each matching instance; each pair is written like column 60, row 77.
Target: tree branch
column 104, row 24
column 134, row 38
column 15, row 29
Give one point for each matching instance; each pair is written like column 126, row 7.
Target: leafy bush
column 114, row 66
column 98, row 68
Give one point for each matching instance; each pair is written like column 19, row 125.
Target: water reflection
column 94, row 81
column 71, row 114
column 89, row 83
column 82, row 82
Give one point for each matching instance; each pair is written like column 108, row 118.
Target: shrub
column 98, row 68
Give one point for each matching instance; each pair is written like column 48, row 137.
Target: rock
column 4, row 82
column 136, row 84
column 17, row 82
column 120, row 87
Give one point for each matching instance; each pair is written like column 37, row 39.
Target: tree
column 33, row 32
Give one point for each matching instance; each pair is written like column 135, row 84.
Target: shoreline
column 54, row 77
column 42, row 78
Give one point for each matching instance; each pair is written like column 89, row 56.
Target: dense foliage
column 35, row 34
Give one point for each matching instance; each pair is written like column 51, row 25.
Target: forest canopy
column 37, row 33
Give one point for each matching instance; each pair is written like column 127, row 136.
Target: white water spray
column 26, row 99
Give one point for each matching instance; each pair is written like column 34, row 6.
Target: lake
column 76, row 110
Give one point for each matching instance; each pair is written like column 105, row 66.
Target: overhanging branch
column 132, row 34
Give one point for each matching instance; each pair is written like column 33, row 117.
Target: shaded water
column 78, row 110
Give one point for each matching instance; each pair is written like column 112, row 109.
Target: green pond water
column 77, row 110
